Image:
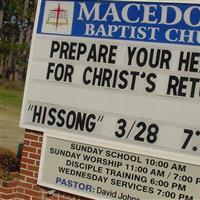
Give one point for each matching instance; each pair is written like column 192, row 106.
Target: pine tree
column 16, row 23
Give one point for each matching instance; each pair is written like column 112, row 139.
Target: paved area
column 10, row 133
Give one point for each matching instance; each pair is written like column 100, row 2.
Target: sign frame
column 156, row 152
column 34, row 39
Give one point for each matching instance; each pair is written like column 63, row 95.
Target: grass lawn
column 10, row 106
column 10, row 98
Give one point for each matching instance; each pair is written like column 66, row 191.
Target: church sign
column 125, row 72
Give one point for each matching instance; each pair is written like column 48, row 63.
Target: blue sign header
column 175, row 23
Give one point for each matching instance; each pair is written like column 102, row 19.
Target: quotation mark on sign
column 30, row 108
column 100, row 119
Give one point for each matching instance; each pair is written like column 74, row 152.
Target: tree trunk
column 1, row 19
column 1, row 14
column 21, row 36
column 11, row 52
column 1, row 64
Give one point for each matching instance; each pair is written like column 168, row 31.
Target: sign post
column 121, row 74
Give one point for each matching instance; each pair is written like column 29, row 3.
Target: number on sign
column 122, row 125
column 152, row 131
column 188, row 138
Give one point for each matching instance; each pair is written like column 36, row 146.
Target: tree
column 16, row 18
column 1, row 13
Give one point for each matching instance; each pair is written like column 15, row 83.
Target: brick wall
column 27, row 186
column 8, row 189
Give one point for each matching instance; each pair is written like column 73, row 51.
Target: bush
column 8, row 163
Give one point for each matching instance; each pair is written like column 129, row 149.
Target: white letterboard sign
column 121, row 71
column 101, row 172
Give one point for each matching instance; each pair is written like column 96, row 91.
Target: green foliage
column 6, row 46
column 14, row 34
column 12, row 11
column 14, row 7
column 9, row 162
